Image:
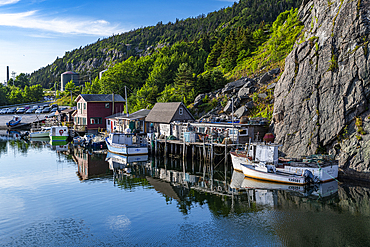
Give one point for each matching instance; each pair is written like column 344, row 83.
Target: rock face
column 326, row 85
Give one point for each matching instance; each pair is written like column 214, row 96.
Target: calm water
column 49, row 197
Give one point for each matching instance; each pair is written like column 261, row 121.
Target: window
column 78, row 105
column 106, row 105
column 84, row 106
column 84, row 121
column 108, row 122
column 95, row 120
column 181, row 111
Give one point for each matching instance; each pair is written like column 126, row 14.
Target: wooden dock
column 207, row 152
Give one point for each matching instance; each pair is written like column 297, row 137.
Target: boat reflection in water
column 90, row 165
column 265, row 193
column 60, row 146
column 117, row 161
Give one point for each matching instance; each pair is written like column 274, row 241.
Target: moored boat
column 15, row 120
column 260, row 161
column 58, row 133
column 122, row 143
column 44, row 132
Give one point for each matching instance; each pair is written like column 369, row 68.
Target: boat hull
column 39, row 134
column 125, row 149
column 237, row 160
column 251, row 172
column 324, row 174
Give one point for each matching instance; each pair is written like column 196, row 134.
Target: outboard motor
column 309, row 177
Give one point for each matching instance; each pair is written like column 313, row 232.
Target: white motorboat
column 260, row 161
column 44, row 132
column 122, row 143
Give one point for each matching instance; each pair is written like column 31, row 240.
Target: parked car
column 27, row 107
column 11, row 111
column 38, row 111
column 31, row 110
column 53, row 109
column 4, row 110
column 21, row 110
column 54, row 106
column 46, row 110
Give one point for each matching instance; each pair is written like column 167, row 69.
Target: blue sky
column 34, row 32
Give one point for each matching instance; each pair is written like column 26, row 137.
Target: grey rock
column 249, row 105
column 262, row 96
column 272, row 85
column 274, row 72
column 314, row 103
column 234, row 85
column 199, row 99
column 241, row 111
column 265, row 78
column 244, row 92
column 229, row 106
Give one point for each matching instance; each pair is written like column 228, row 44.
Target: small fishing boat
column 44, row 132
column 15, row 120
column 122, row 143
column 58, row 133
column 260, row 161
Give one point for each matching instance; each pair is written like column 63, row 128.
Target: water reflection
column 90, row 165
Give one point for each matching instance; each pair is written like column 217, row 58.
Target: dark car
column 46, row 110
column 11, row 110
column 54, row 106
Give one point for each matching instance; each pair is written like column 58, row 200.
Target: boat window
column 106, row 105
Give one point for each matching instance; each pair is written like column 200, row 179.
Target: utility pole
column 126, row 101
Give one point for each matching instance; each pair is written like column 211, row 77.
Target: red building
column 93, row 108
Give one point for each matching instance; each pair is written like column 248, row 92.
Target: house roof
column 164, row 112
column 100, row 98
column 136, row 115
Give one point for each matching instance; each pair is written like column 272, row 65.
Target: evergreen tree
column 184, row 82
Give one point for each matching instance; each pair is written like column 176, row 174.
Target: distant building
column 67, row 77
column 92, row 109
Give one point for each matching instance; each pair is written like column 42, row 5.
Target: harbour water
column 64, row 196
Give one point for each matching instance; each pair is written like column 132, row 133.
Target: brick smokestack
column 7, row 73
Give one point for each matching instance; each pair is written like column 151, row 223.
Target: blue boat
column 121, row 143
column 16, row 120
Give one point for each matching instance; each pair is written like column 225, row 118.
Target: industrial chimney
column 7, row 73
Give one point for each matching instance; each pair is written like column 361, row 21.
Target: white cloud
column 5, row 2
column 30, row 20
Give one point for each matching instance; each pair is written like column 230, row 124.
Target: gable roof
column 133, row 116
column 164, row 112
column 100, row 98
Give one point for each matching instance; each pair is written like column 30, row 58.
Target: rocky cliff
column 322, row 97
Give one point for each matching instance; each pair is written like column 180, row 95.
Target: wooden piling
column 165, row 147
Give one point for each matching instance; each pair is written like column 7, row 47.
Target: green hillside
column 89, row 60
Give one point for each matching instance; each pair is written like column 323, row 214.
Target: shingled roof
column 165, row 112
column 100, row 98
